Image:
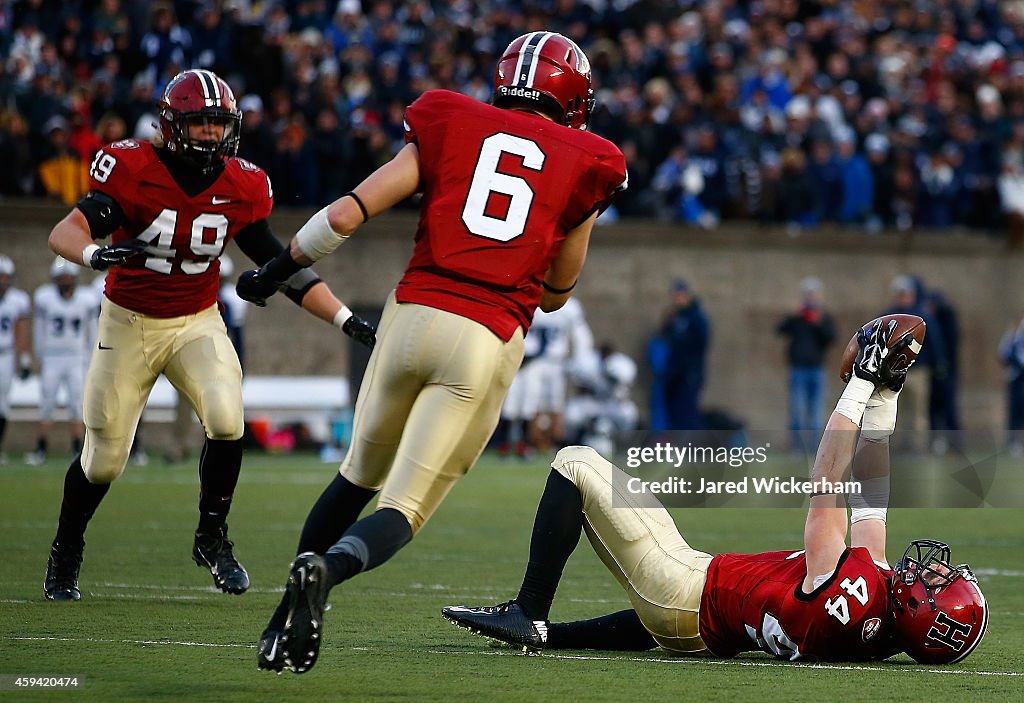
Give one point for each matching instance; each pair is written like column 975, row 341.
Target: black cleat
column 505, row 622
column 61, row 582
column 269, row 654
column 213, row 551
column 307, row 593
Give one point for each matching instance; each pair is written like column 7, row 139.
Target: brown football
column 905, row 324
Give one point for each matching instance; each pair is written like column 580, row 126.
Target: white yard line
column 733, row 662
column 138, row 642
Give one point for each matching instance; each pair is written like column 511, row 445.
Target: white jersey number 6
column 487, row 180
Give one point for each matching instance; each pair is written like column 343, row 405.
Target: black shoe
column 307, row 600
column 269, row 654
column 213, row 551
column 505, row 622
column 62, row 567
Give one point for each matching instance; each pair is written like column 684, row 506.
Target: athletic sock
column 42, row 445
column 621, row 631
column 556, row 532
column 367, row 544
column 81, row 498
column 333, row 513
column 3, row 430
column 219, row 466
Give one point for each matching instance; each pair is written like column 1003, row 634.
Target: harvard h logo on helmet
column 940, row 614
column 550, row 72
column 194, row 98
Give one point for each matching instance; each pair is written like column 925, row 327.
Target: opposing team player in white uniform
column 63, row 330
column 535, row 404
column 15, row 308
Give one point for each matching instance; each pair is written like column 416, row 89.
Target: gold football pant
column 429, row 401
column 195, row 354
column 638, row 541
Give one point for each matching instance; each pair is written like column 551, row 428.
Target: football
column 905, row 324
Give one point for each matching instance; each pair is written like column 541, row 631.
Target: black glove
column 257, row 285
column 24, row 366
column 116, row 254
column 878, row 362
column 360, row 330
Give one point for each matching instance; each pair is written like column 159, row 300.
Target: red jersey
column 755, row 602
column 180, row 273
column 501, row 188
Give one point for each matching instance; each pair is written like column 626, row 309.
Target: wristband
column 558, row 291
column 281, row 267
column 25, row 360
column 87, row 253
column 342, row 316
column 879, row 419
column 855, row 399
column 359, row 202
column 316, row 238
column 858, row 514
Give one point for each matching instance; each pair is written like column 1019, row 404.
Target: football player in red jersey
column 828, row 601
column 170, row 210
column 510, row 195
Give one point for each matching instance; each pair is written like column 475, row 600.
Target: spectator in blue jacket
column 687, row 333
column 810, row 331
column 858, row 185
column 1011, row 352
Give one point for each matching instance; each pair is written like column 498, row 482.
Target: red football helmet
column 192, row 99
column 940, row 612
column 549, row 70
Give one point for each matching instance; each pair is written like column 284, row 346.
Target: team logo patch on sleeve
column 871, row 628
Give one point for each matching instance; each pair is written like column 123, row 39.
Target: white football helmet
column 63, row 267
column 227, row 266
column 6, row 266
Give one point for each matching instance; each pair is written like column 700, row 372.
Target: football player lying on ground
column 827, row 602
column 170, row 209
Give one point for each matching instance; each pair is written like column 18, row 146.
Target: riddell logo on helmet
column 516, row 92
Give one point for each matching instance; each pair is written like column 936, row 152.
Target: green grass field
column 151, row 627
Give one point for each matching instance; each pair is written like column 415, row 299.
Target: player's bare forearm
column 71, row 236
column 387, row 186
column 560, row 278
column 826, row 526
column 321, row 302
column 22, row 336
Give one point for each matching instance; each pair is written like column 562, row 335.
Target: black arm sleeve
column 258, row 242
column 621, row 632
column 102, row 213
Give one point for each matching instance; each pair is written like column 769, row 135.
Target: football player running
column 170, row 209
column 828, row 601
column 510, row 195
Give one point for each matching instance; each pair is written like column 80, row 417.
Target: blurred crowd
column 873, row 114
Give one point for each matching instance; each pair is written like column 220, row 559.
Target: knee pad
column 570, row 461
column 104, row 459
column 222, row 415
